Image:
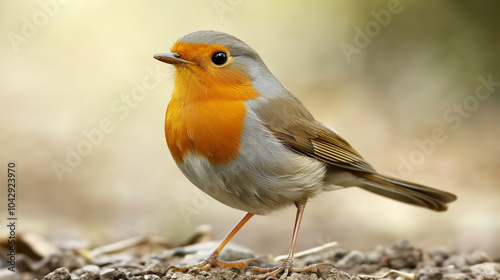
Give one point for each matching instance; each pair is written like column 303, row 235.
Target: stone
column 477, row 257
column 112, row 274
column 403, row 255
column 456, row 261
column 486, row 269
column 154, row 266
column 351, row 259
column 61, row 273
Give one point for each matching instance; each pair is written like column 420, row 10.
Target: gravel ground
column 147, row 260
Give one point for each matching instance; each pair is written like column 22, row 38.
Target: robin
column 240, row 136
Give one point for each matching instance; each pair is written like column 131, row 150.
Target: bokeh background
column 384, row 74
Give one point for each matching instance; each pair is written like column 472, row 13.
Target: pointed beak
column 172, row 58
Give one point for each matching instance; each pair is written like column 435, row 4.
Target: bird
column 239, row 135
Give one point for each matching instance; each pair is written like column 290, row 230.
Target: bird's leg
column 287, row 265
column 213, row 260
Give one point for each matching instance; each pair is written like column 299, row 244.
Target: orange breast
column 206, row 114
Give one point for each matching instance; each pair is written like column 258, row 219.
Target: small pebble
column 343, row 276
column 155, row 266
column 351, row 259
column 488, row 269
column 339, row 253
column 89, row 276
column 112, row 274
column 88, row 272
column 61, row 273
column 456, row 261
column 430, row 273
column 477, row 257
column 403, row 254
column 326, row 271
column 67, row 259
column 374, row 257
column 439, row 255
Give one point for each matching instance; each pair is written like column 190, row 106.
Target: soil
column 148, row 259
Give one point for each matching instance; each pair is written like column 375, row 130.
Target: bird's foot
column 212, row 261
column 285, row 268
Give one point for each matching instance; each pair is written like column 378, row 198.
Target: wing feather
column 295, row 127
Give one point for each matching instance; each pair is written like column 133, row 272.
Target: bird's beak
column 172, row 58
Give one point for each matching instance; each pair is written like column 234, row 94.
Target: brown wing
column 313, row 139
column 295, row 127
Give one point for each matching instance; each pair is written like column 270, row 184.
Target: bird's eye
column 219, row 58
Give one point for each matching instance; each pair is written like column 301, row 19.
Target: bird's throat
column 206, row 119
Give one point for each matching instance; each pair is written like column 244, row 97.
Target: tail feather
column 407, row 192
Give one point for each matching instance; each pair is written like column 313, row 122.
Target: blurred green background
column 384, row 74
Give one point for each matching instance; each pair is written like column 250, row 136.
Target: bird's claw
column 285, row 268
column 212, row 262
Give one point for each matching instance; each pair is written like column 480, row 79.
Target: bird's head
column 214, row 61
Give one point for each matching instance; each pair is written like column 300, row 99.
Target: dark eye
column 219, row 58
